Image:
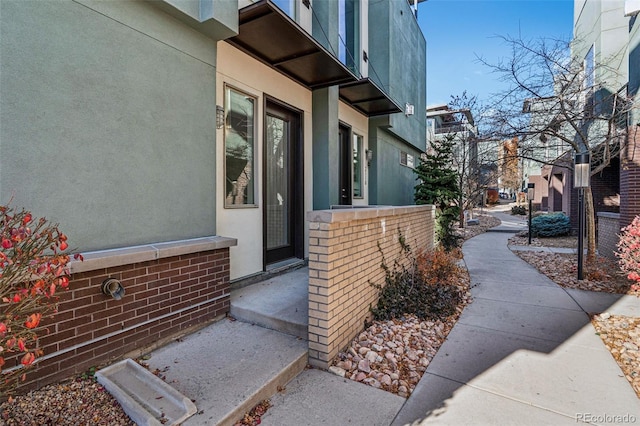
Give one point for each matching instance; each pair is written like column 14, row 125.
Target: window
column 239, row 146
column 407, row 159
column 357, row 166
column 589, row 81
column 287, row 6
column 349, row 32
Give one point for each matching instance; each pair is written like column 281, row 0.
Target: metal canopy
column 269, row 35
column 368, row 98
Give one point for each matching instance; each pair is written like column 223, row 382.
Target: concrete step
column 228, row 368
column 279, row 303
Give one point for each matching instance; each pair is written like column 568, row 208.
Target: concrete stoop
column 279, row 303
column 228, row 368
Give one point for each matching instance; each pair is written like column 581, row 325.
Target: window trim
column 255, row 174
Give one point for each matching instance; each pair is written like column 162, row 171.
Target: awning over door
column 365, row 96
column 270, row 35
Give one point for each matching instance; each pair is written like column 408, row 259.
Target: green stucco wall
column 326, row 154
column 390, row 182
column 634, row 61
column 107, row 121
column 397, row 61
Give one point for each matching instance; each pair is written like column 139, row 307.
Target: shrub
column 446, row 235
column 33, row 266
column 629, row 251
column 493, row 197
column 427, row 286
column 518, row 210
column 550, row 225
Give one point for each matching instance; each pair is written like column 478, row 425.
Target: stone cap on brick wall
column 347, row 214
column 609, row 215
column 127, row 255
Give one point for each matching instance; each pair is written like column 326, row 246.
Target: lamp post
column 581, row 176
column 530, row 197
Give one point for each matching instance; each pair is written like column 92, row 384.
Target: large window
column 239, row 147
column 589, row 81
column 349, row 32
column 357, row 166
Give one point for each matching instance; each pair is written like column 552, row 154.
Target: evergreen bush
column 550, row 225
column 518, row 210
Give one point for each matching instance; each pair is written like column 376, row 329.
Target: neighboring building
column 606, row 43
column 159, row 133
column 475, row 160
column 630, row 158
column 458, row 124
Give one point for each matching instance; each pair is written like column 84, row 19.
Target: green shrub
column 550, row 225
column 518, row 210
column 426, row 286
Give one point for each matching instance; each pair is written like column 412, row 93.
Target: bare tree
column 557, row 104
column 475, row 157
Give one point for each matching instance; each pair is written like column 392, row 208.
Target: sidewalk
column 524, row 352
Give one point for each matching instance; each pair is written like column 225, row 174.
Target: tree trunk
column 590, row 225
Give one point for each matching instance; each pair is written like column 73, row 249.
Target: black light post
column 581, row 176
column 530, row 197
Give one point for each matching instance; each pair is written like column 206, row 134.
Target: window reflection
column 239, row 147
column 357, row 166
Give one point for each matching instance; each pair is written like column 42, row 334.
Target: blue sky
column 457, row 31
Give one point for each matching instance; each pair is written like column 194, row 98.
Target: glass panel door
column 278, row 177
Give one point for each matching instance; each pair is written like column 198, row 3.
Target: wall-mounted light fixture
column 369, row 156
column 408, row 109
column 219, row 117
column 112, row 287
column 581, row 177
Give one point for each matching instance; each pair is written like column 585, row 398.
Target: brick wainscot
column 171, row 289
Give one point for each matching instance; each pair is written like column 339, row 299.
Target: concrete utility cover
column 144, row 397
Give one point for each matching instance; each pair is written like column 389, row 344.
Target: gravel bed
column 621, row 336
column 76, row 402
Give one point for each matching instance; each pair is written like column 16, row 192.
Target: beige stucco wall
column 359, row 124
column 242, row 72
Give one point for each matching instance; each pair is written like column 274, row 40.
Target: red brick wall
column 630, row 178
column 164, row 298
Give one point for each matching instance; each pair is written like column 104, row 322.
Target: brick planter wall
column 344, row 259
column 630, row 178
column 608, row 230
column 171, row 289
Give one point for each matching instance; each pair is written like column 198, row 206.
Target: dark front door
column 283, row 184
column 346, row 165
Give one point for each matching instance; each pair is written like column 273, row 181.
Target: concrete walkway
column 523, row 352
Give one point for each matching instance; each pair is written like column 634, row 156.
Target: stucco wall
column 244, row 73
column 397, row 61
column 391, row 182
column 108, row 115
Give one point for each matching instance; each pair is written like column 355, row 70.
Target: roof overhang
column 365, row 96
column 268, row 34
